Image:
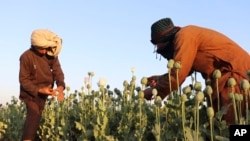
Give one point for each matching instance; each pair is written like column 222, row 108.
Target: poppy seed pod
column 158, row 101
column 125, row 83
column 199, row 96
column 244, row 84
column 198, row 86
column 186, row 90
column 88, row 86
column 231, row 82
column 177, row 65
column 144, row 80
column 241, row 97
column 208, row 90
column 237, row 97
column 170, row 64
column 210, row 112
column 208, row 81
column 154, row 92
column 231, row 95
column 67, row 88
column 183, row 98
column 91, row 73
column 217, row 74
column 132, row 83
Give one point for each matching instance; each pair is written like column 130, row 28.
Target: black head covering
column 162, row 30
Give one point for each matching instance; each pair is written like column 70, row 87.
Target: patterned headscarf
column 43, row 38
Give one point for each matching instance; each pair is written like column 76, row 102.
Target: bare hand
column 60, row 96
column 152, row 80
column 47, row 90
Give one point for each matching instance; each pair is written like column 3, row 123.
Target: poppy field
column 119, row 115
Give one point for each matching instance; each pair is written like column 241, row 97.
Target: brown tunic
column 204, row 50
column 38, row 71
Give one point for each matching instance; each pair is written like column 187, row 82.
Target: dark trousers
column 34, row 113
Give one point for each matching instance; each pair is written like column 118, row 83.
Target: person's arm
column 59, row 78
column 161, row 84
column 27, row 75
column 184, row 52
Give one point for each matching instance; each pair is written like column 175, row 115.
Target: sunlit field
column 121, row 115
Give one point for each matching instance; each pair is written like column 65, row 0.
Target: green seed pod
column 231, row 82
column 217, row 74
column 71, row 96
column 88, row 86
column 170, row 64
column 67, row 88
column 158, row 101
column 141, row 94
column 91, row 73
column 154, row 92
column 208, row 82
column 198, row 86
column 132, row 83
column 125, row 83
column 210, row 112
column 177, row 65
column 237, row 97
column 241, row 97
column 208, row 90
column 133, row 77
column 199, row 96
column 144, row 80
column 244, row 84
column 186, row 90
column 231, row 95
column 183, row 98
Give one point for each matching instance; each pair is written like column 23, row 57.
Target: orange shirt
column 204, row 50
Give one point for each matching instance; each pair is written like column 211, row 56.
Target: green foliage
column 106, row 115
column 11, row 119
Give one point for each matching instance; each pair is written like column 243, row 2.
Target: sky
column 107, row 37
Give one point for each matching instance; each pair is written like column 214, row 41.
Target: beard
column 167, row 51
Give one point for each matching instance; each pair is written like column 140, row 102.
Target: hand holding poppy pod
column 152, row 80
column 59, row 93
column 46, row 90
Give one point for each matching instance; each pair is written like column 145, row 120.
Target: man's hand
column 47, row 90
column 60, row 95
column 152, row 80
